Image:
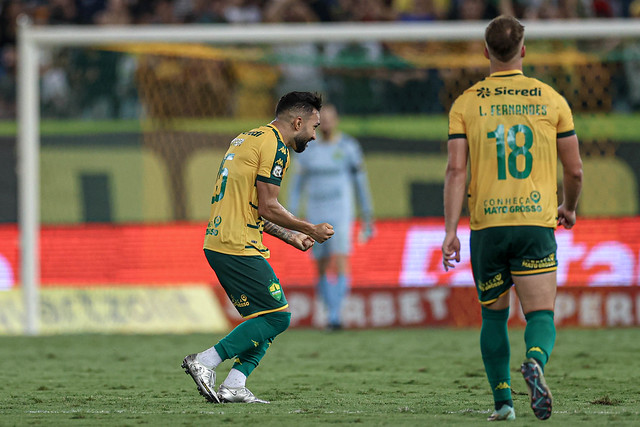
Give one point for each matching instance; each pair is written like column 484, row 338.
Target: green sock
column 251, row 333
column 246, row 362
column 540, row 335
column 496, row 352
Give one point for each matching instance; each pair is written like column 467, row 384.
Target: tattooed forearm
column 277, row 231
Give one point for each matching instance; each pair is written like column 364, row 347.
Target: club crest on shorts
column 275, row 290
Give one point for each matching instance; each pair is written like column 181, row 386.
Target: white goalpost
column 32, row 39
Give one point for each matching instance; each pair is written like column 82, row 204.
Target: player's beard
column 300, row 143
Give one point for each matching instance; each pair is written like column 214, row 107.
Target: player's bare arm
column 569, row 154
column 454, row 190
column 270, row 209
column 296, row 239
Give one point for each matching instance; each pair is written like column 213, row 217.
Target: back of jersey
column 512, row 123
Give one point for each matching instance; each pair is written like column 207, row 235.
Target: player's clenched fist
column 301, row 241
column 322, row 232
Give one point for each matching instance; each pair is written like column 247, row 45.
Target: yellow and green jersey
column 511, row 123
column 235, row 227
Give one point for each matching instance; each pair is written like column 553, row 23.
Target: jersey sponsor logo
column 511, row 209
column 275, row 290
column 237, row 141
column 505, row 205
column 242, row 302
column 535, row 196
column 494, row 282
column 535, row 264
column 283, row 150
column 212, row 227
column 483, row 92
column 277, row 171
column 253, row 133
column 536, row 91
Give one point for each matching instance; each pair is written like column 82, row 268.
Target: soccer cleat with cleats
column 505, row 413
column 539, row 393
column 237, row 395
column 204, row 377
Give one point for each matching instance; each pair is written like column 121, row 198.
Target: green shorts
column 498, row 253
column 249, row 282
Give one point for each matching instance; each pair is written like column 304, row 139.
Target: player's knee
column 279, row 320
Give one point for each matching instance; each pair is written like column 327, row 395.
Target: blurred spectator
column 55, row 92
column 632, row 66
column 367, row 10
column 181, row 9
column 63, row 12
column 87, row 10
column 206, row 12
column 473, row 10
column 116, row 12
column 298, row 67
column 243, row 11
column 163, row 13
column 8, row 17
column 290, row 11
column 94, row 76
column 39, row 13
column 8, row 82
column 351, row 82
column 324, row 9
column 419, row 10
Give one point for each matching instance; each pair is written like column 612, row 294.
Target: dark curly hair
column 305, row 101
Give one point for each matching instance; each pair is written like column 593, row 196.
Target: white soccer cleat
column 204, row 377
column 237, row 395
column 505, row 413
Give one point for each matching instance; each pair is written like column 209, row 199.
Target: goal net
column 121, row 131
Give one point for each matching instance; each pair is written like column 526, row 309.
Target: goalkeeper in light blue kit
column 322, row 186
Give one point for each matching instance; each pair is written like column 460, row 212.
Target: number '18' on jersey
column 512, row 123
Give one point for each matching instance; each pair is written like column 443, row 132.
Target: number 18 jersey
column 511, row 123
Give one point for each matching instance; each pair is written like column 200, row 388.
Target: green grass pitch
column 413, row 377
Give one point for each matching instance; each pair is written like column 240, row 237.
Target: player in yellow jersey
column 243, row 206
column 511, row 128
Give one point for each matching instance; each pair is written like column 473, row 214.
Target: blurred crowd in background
column 121, row 12
column 99, row 68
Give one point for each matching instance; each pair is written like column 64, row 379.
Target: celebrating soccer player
column 244, row 204
column 512, row 128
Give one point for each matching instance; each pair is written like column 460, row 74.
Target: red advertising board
column 388, row 307
column 404, row 253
